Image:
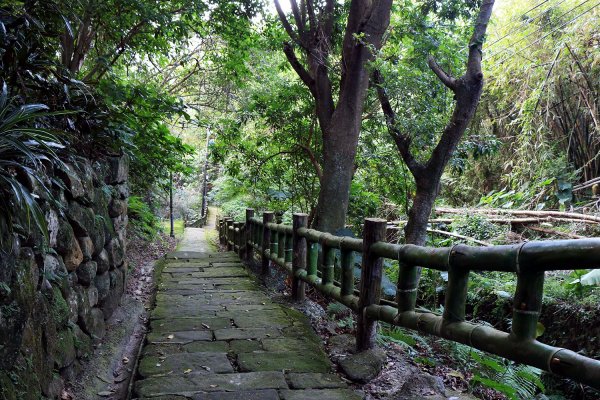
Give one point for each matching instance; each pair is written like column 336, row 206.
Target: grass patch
column 178, row 227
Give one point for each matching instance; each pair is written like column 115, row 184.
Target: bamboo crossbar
column 326, row 263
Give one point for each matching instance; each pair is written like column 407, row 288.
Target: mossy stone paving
column 215, row 335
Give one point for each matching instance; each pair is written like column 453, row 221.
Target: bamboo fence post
column 229, row 234
column 527, row 305
column 223, row 227
column 299, row 256
column 313, row 258
column 220, row 230
column 456, row 293
column 281, row 245
column 347, row 272
column 239, row 235
column 266, row 241
column 274, row 247
column 327, row 268
column 248, row 234
column 289, row 248
column 408, row 281
column 370, row 282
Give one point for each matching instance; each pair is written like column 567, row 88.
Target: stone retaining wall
column 55, row 297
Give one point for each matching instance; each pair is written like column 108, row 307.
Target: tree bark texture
column 339, row 123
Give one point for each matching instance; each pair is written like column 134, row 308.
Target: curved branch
column 446, row 78
column 286, row 24
column 401, row 139
column 313, row 160
column 308, row 80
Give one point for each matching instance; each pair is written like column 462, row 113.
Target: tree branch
column 286, row 24
column 402, row 140
column 298, row 67
column 446, row 79
column 313, row 160
column 476, row 42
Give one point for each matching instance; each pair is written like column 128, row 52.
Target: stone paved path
column 215, row 335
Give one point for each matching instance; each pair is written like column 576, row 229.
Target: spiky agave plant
column 23, row 148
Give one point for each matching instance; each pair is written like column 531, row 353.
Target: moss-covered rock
column 68, row 246
column 59, row 309
column 86, row 273
column 82, row 219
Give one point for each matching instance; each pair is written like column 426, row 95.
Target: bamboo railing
column 299, row 251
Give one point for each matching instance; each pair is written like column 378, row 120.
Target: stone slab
column 252, row 333
column 206, row 363
column 182, row 337
column 295, row 362
column 245, row 346
column 194, row 347
column 314, row 381
column 320, row 394
column 269, row 394
column 188, row 385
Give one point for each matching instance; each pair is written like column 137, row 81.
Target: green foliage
column 515, row 381
column 26, row 150
column 142, row 220
column 478, row 227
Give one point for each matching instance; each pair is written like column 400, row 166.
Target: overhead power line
column 547, row 34
column 525, row 21
column 538, row 30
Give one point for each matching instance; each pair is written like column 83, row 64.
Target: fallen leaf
column 187, row 371
column 103, row 379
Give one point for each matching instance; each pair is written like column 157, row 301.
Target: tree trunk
column 339, row 151
column 415, row 231
column 340, row 123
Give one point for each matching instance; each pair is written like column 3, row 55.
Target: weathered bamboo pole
column 347, row 272
column 229, row 234
column 313, row 259
column 327, row 265
column 289, row 248
column 299, row 256
column 281, row 246
column 553, row 359
column 248, row 234
column 266, row 241
column 370, row 282
column 240, row 231
column 532, row 256
column 527, row 305
column 456, row 294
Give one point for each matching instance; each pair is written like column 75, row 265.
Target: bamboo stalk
column 281, row 245
column 456, row 235
column 553, row 359
column 328, row 265
column 347, row 272
column 370, row 282
column 558, row 214
column 299, row 257
column 266, row 240
column 313, row 257
column 248, row 234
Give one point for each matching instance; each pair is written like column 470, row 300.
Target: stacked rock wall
column 56, row 295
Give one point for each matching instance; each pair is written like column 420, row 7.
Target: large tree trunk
column 339, row 123
column 415, row 231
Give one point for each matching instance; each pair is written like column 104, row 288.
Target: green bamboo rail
column 294, row 248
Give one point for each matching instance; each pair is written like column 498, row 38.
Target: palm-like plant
column 23, row 148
